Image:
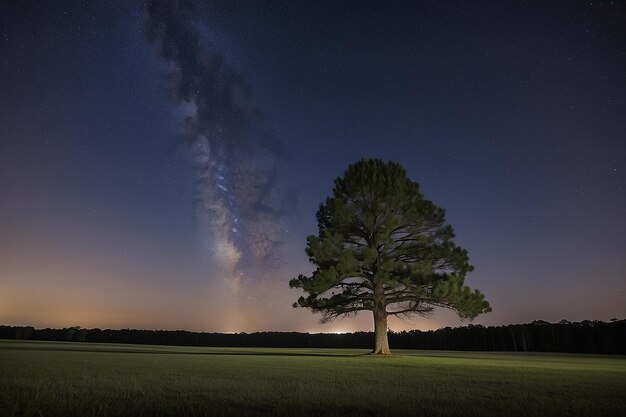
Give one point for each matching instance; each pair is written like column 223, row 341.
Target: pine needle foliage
column 383, row 247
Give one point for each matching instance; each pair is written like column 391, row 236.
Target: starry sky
column 161, row 163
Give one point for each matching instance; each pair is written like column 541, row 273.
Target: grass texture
column 84, row 379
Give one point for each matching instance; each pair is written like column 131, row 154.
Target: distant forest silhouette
column 539, row 336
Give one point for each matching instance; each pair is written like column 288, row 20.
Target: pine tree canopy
column 383, row 247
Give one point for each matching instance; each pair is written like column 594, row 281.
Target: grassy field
column 81, row 379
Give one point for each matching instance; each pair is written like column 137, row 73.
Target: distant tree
column 382, row 247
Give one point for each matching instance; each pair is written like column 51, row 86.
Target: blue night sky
column 161, row 165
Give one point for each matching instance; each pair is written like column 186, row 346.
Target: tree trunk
column 380, row 333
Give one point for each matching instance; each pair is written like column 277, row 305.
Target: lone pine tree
column 384, row 248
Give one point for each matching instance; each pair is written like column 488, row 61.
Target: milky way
column 238, row 204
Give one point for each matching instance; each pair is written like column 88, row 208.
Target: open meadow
column 83, row 379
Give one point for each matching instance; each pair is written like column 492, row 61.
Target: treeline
column 538, row 336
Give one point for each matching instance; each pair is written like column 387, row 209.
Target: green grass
column 82, row 379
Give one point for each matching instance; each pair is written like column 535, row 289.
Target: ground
column 72, row 379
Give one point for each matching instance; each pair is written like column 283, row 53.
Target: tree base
column 380, row 353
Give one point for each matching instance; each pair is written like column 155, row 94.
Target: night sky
column 161, row 164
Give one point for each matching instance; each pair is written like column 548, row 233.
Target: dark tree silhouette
column 384, row 248
column 583, row 337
